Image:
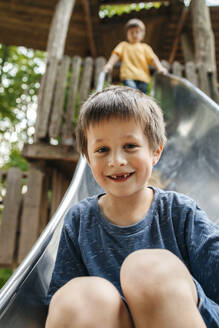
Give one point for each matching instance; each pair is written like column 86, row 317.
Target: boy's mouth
column 120, row 177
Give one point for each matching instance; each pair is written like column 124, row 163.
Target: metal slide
column 189, row 164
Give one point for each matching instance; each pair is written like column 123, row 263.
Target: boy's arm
column 114, row 58
column 68, row 264
column 159, row 67
column 202, row 241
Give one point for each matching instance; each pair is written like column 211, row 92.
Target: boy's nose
column 117, row 159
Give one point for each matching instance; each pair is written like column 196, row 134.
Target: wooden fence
column 189, row 71
column 76, row 77
column 27, row 202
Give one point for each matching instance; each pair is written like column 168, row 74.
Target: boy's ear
column 157, row 154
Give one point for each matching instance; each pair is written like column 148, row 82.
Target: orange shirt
column 135, row 59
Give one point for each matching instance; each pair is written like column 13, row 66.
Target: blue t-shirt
column 92, row 246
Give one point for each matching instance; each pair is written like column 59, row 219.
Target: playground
column 77, row 44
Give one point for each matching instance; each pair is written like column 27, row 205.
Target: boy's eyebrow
column 99, row 140
column 129, row 136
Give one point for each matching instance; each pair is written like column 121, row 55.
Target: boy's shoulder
column 83, row 209
column 175, row 199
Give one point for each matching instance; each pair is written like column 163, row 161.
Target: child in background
column 135, row 255
column 135, row 57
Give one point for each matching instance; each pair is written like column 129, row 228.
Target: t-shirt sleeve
column 202, row 239
column 69, row 263
column 150, row 55
column 118, row 50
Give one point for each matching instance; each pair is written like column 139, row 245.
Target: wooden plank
column 45, row 104
column 187, row 48
column 99, row 63
column 203, row 78
column 1, row 174
column 59, row 187
column 50, row 152
column 44, row 208
column 180, row 25
column 86, row 79
column 191, row 73
column 177, row 68
column 204, row 47
column 165, row 64
column 67, row 129
column 30, row 218
column 10, row 216
column 89, row 26
column 55, row 50
column 58, row 104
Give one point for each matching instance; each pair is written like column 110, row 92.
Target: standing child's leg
column 88, row 302
column 160, row 291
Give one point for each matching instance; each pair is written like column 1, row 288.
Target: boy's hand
column 107, row 68
column 162, row 70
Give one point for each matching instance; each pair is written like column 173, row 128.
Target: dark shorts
column 209, row 309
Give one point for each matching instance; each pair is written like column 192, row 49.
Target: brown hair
column 122, row 103
column 135, row 22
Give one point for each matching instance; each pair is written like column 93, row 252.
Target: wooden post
column 86, row 79
column 187, row 48
column 90, row 34
column 177, row 68
column 191, row 74
column 59, row 186
column 10, row 215
column 99, row 64
column 68, row 128
column 181, row 23
column 58, row 104
column 30, row 219
column 55, row 50
column 204, row 48
column 165, row 64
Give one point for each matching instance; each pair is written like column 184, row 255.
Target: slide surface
column 189, row 164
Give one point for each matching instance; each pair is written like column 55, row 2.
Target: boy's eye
column 102, row 150
column 130, row 146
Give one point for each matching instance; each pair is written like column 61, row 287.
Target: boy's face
column 120, row 157
column 135, row 34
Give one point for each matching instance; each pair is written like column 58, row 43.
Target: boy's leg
column 88, row 302
column 160, row 291
column 130, row 83
column 142, row 86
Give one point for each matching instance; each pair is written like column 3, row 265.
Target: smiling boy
column 133, row 256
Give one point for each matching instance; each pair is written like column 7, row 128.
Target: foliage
column 20, row 73
column 4, row 276
column 111, row 10
column 16, row 160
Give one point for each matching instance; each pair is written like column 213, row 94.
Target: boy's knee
column 155, row 275
column 81, row 298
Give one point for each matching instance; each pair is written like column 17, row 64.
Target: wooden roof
column 27, row 22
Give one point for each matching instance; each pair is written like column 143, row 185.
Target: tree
column 20, row 72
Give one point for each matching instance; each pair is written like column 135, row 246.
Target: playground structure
column 194, row 123
column 52, row 166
